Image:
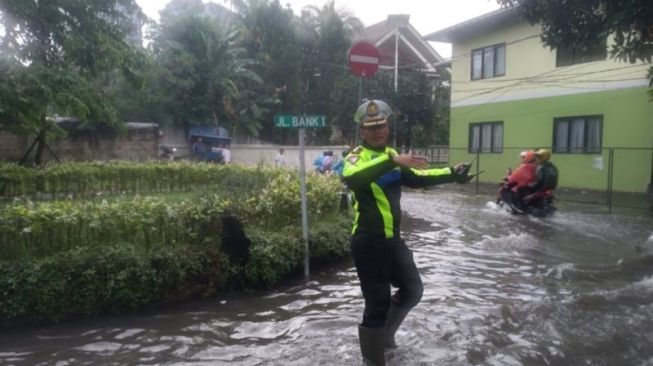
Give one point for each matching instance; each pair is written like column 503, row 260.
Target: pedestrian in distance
column 326, row 164
column 226, row 153
column 340, row 165
column 375, row 172
column 317, row 163
column 198, row 150
column 280, row 159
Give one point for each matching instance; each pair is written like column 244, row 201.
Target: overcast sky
column 426, row 16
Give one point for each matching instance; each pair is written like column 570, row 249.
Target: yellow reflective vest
column 376, row 180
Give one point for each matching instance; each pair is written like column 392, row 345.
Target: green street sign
column 300, row 121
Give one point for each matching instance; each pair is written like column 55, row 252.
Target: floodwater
column 572, row 289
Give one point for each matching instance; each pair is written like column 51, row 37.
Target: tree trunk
column 41, row 137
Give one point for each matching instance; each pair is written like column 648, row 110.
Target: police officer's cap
column 372, row 113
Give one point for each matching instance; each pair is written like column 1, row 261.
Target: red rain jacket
column 523, row 176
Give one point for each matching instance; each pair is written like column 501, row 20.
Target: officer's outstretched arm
column 416, row 178
column 428, row 177
column 358, row 173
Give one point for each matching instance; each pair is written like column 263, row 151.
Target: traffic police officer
column 375, row 173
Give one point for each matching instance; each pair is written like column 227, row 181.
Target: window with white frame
column 489, row 62
column 577, row 135
column 486, row 137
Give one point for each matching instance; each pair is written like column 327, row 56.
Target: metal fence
column 613, row 177
column 435, row 154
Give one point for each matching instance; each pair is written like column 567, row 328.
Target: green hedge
column 38, row 229
column 68, row 259
column 275, row 254
column 89, row 179
column 84, row 282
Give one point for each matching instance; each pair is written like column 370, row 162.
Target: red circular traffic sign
column 364, row 59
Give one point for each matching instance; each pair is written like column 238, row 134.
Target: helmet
column 373, row 112
column 543, row 155
column 527, row 156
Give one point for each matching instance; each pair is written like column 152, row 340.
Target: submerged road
column 572, row 289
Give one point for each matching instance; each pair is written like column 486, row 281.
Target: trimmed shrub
column 277, row 253
column 85, row 282
column 65, row 259
column 90, row 179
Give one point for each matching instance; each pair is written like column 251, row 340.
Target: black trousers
column 380, row 263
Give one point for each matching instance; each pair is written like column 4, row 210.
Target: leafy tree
column 325, row 64
column 54, row 49
column 177, row 8
column 414, row 104
column 421, row 106
column 206, row 73
column 343, row 101
column 271, row 37
column 442, row 98
column 578, row 23
column 145, row 103
column 302, row 60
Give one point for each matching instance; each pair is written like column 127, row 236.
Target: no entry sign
column 364, row 59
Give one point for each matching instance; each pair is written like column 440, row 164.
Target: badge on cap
column 372, row 113
column 372, row 109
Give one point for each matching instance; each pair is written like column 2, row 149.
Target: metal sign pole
column 364, row 59
column 302, row 180
column 358, row 102
column 301, row 122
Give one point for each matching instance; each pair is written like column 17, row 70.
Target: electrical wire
column 561, row 73
column 519, row 82
column 607, row 98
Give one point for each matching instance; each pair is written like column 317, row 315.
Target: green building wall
column 627, row 137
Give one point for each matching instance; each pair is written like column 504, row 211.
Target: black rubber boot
column 396, row 316
column 371, row 341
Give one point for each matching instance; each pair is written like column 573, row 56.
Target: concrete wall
column 265, row 154
column 140, row 142
column 12, row 147
column 252, row 154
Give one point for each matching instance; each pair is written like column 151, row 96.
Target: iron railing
column 614, row 177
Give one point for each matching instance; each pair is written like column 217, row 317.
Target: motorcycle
column 167, row 152
column 519, row 202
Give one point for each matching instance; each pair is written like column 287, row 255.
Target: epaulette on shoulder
column 357, row 150
column 354, row 155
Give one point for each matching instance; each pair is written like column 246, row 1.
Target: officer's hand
column 461, row 172
column 411, row 161
column 462, row 168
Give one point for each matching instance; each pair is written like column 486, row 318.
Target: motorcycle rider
column 375, row 173
column 546, row 173
column 520, row 182
column 539, row 202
